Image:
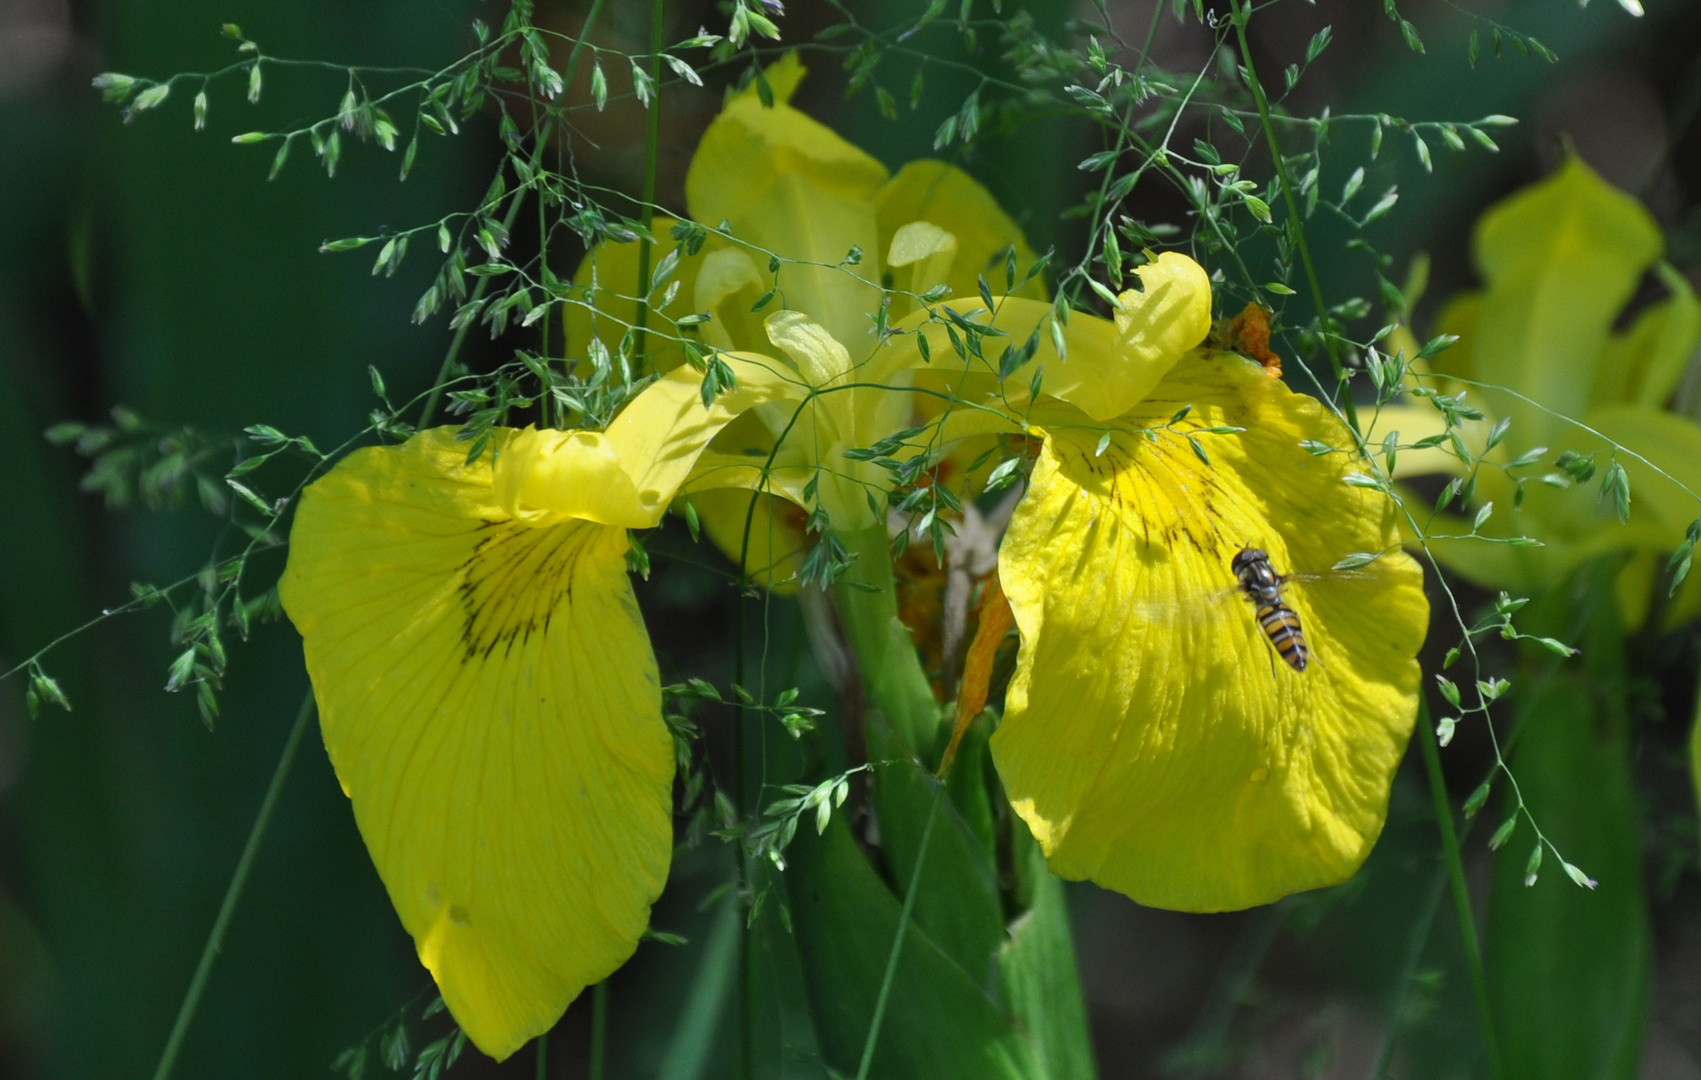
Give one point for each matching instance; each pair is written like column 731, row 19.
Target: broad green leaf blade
column 939, row 1024
column 958, row 905
column 693, row 1042
column 1037, row 969
column 1569, row 967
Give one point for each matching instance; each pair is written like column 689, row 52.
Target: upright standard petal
column 946, row 197
column 490, row 703
column 1561, row 258
column 792, row 188
column 1154, row 742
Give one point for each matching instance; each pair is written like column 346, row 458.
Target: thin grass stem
column 646, row 211
column 1461, row 895
column 541, row 141
column 898, row 939
column 1242, row 15
column 233, row 893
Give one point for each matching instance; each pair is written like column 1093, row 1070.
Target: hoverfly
column 1289, row 611
column 1279, row 622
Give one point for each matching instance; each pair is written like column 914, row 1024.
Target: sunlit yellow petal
column 1153, row 741
column 1561, row 258
column 920, row 257
column 1106, row 366
column 629, row 474
column 489, row 699
column 612, row 269
column 791, row 187
column 948, row 198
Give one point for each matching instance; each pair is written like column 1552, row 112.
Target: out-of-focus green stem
column 1242, row 13
column 599, row 1030
column 646, row 212
column 1461, row 895
column 891, row 671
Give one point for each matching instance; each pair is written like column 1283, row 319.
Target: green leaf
column 940, row 1023
column 692, row 1044
column 960, row 911
column 1569, row 968
column 1038, row 972
column 1356, row 560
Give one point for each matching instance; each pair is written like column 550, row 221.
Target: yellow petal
column 1412, row 421
column 1561, row 258
column 489, row 699
column 629, row 474
column 1459, row 317
column 1106, row 367
column 613, row 308
column 928, row 252
column 1153, row 743
column 1644, row 365
column 1667, row 498
column 792, row 188
column 952, row 201
column 727, row 287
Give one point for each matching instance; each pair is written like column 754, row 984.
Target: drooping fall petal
column 1153, row 742
column 490, row 702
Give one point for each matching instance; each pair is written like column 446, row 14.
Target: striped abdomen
column 1281, row 626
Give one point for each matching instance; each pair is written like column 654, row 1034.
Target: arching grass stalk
column 1461, row 896
column 233, row 893
column 1243, row 13
column 646, row 211
column 540, row 139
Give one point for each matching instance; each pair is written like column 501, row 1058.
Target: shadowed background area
column 153, row 267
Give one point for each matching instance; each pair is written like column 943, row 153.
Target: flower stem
column 646, row 211
column 1242, row 15
column 1461, row 896
column 233, row 893
column 891, row 671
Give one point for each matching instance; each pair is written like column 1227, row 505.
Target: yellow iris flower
column 486, row 685
column 1537, row 348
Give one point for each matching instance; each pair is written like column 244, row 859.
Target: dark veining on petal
column 514, row 581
